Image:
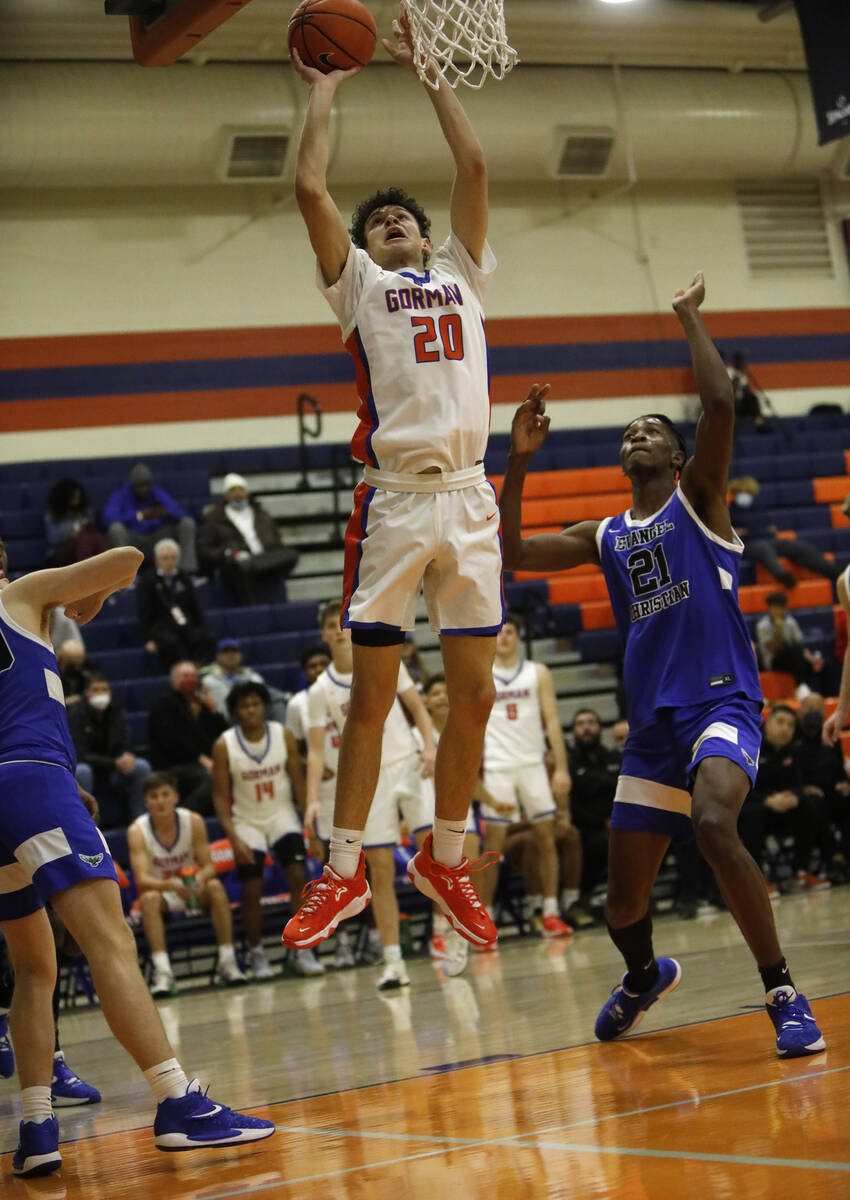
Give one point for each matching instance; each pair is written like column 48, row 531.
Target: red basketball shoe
column 329, row 900
column 452, row 889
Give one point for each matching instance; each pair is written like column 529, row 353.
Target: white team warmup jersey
column 514, row 735
column 328, row 701
column 298, row 724
column 421, row 355
column 166, row 862
column 259, row 781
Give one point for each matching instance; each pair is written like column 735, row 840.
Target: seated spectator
column 169, row 613
column 780, row 648
column 240, row 540
column 761, row 543
column 63, row 629
column 228, row 670
column 182, row 728
column 826, row 778
column 74, row 669
column 140, row 514
column 105, row 763
column 780, row 805
column 69, row 525
column 594, row 770
column 166, row 844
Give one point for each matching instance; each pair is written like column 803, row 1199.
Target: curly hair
column 61, row 495
column 380, row 199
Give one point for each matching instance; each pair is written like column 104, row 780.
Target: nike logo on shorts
column 492, row 515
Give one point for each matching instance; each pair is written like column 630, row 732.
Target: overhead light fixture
column 617, row 1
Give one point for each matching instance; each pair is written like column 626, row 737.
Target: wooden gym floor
column 490, row 1083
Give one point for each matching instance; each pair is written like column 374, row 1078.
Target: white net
column 464, row 40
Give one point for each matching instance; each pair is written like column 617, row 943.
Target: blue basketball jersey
column 33, row 723
column 674, row 590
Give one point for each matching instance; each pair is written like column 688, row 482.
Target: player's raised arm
column 81, row 587
column 704, row 477
column 328, row 235
column 544, row 551
column 469, row 192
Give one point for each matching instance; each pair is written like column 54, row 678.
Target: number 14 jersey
column 673, row 585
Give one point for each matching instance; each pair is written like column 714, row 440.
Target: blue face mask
column 239, row 505
column 745, row 499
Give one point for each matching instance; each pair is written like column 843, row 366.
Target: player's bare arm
column 201, row 851
column 325, row 226
column 221, row 800
column 469, row 192
column 140, row 866
column 545, row 551
column 833, row 725
column 81, row 588
column 561, row 782
column 315, row 770
column 421, row 718
column 295, row 770
column 705, row 475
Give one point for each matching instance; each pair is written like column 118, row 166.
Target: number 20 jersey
column 420, row 353
column 673, row 586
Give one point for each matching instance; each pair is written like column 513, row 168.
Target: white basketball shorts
column 261, row 830
column 399, row 795
column 525, row 787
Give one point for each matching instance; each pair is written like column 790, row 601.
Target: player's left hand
column 530, row 424
column 400, row 49
column 689, row 299
column 89, row 803
column 561, row 784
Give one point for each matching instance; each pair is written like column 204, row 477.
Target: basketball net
column 471, row 30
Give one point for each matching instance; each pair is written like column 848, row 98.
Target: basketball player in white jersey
column 164, row 842
column 413, row 321
column 258, row 788
column 514, row 765
column 399, row 788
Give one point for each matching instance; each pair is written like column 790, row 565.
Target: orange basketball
column 332, row 35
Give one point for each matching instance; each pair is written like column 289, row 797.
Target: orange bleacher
column 831, row 488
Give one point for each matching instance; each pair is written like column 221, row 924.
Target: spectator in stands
column 747, row 403
column 761, row 543
column 140, row 514
column 169, row 613
column 826, row 778
column 239, row 539
column 74, row 669
column 63, row 629
column 69, row 525
column 174, row 872
column 780, row 647
column 105, row 762
column 780, row 805
column 228, row 670
column 594, row 770
column 182, row 728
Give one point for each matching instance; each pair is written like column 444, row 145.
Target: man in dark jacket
column 140, row 513
column 239, row 539
column 169, row 612
column 182, row 727
column 594, row 770
column 105, row 764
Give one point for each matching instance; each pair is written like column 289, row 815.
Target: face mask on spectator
column 101, row 701
column 188, row 686
column 744, row 499
column 239, row 505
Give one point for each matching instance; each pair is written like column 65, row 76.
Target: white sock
column 569, row 896
column 59, row 1054
column 162, row 962
column 166, row 1080
column 447, row 847
column 550, row 906
column 440, row 925
column 346, row 845
column 226, row 955
column 392, row 954
column 37, row 1105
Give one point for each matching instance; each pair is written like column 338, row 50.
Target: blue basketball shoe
column 38, row 1149
column 797, row 1031
column 7, row 1054
column 623, row 1010
column 193, row 1121
column 67, row 1089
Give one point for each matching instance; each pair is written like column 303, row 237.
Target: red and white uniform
column 167, row 862
column 421, row 356
column 260, row 788
column 514, row 746
column 298, row 724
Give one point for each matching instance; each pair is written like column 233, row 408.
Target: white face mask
column 239, row 505
column 744, row 499
column 101, row 701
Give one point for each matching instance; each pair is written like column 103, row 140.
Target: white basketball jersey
column 421, row 356
column 166, row 862
column 514, row 735
column 328, row 701
column 298, row 724
column 259, row 782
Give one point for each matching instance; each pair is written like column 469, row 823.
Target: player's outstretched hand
column 530, row 424
column 689, row 299
column 312, row 76
column 832, row 727
column 400, row 48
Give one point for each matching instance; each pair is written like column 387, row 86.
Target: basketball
column 332, row 35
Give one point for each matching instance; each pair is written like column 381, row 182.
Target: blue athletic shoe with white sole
column 623, row 1010
column 38, row 1150
column 67, row 1089
column 193, row 1122
column 797, row 1032
column 7, row 1054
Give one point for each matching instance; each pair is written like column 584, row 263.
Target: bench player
column 413, row 322
column 691, row 681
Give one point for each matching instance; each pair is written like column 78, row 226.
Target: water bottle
column 189, row 877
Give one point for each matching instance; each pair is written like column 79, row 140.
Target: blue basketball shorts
column 48, row 841
column 659, row 762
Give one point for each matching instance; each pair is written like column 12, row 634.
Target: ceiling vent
column 784, row 227
column 255, row 155
column 582, row 153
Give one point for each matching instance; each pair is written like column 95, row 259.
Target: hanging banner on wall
column 825, row 25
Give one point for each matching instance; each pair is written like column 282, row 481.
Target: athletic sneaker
column 553, row 927
column 625, row 1009
column 372, row 952
column 163, row 984
column 452, row 889
column 229, row 974
column 797, row 1032
column 437, row 946
column 328, row 900
column 393, row 977
column 457, row 955
column 577, row 917
column 193, row 1121
column 805, row 881
column 38, row 1149
column 7, row 1054
column 306, row 963
column 67, row 1089
column 773, row 893
column 344, row 956
column 261, row 968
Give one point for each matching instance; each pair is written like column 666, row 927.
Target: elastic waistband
column 436, row 481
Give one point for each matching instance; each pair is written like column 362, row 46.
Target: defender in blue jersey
column 692, row 689
column 51, row 850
